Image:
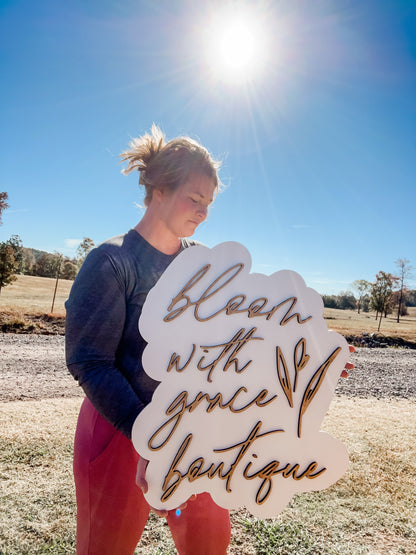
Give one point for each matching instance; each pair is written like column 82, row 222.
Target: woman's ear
column 157, row 195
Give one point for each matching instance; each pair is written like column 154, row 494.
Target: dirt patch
column 13, row 321
column 373, row 340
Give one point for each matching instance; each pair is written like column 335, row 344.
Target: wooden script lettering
column 247, row 369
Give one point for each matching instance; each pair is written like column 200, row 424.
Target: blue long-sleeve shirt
column 103, row 344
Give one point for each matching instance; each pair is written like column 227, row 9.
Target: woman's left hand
column 349, row 365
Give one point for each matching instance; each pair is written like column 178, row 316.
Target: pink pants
column 112, row 511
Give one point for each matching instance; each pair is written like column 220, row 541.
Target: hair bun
column 143, row 150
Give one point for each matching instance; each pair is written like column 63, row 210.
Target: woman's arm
column 96, row 311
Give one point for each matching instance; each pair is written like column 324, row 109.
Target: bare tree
column 405, row 270
column 83, row 249
column 381, row 292
column 363, row 288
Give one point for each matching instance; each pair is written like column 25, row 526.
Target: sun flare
column 236, row 47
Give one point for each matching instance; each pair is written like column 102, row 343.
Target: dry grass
column 350, row 322
column 35, row 294
column 38, row 505
column 370, row 510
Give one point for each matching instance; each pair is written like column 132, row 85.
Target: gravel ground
column 33, row 367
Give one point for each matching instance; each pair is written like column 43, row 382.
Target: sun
column 236, row 47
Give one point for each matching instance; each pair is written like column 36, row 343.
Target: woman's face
column 185, row 208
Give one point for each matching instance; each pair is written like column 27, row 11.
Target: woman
column 104, row 348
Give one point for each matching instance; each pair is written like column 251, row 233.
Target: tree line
column 387, row 293
column 17, row 259
column 35, row 262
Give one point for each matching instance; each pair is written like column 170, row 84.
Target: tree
column 363, row 288
column 381, row 292
column 346, row 300
column 404, row 272
column 83, row 249
column 47, row 265
column 69, row 270
column 366, row 303
column 3, row 204
column 395, row 298
column 411, row 298
column 16, row 243
column 11, row 259
column 7, row 265
column 29, row 261
column 330, row 301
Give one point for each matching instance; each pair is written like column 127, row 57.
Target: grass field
column 29, row 294
column 35, row 294
column 350, row 322
column 370, row 510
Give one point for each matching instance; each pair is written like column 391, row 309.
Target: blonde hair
column 167, row 165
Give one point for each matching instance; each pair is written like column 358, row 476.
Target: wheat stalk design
column 284, row 377
column 314, row 385
column 300, row 361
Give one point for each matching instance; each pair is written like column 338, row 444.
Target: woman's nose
column 202, row 210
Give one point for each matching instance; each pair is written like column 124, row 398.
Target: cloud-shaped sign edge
column 223, row 256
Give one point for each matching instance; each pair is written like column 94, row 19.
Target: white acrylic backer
column 247, row 369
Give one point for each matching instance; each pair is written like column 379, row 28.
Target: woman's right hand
column 142, row 483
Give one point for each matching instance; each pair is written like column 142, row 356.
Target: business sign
column 247, row 369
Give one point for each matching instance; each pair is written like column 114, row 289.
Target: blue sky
column 319, row 150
